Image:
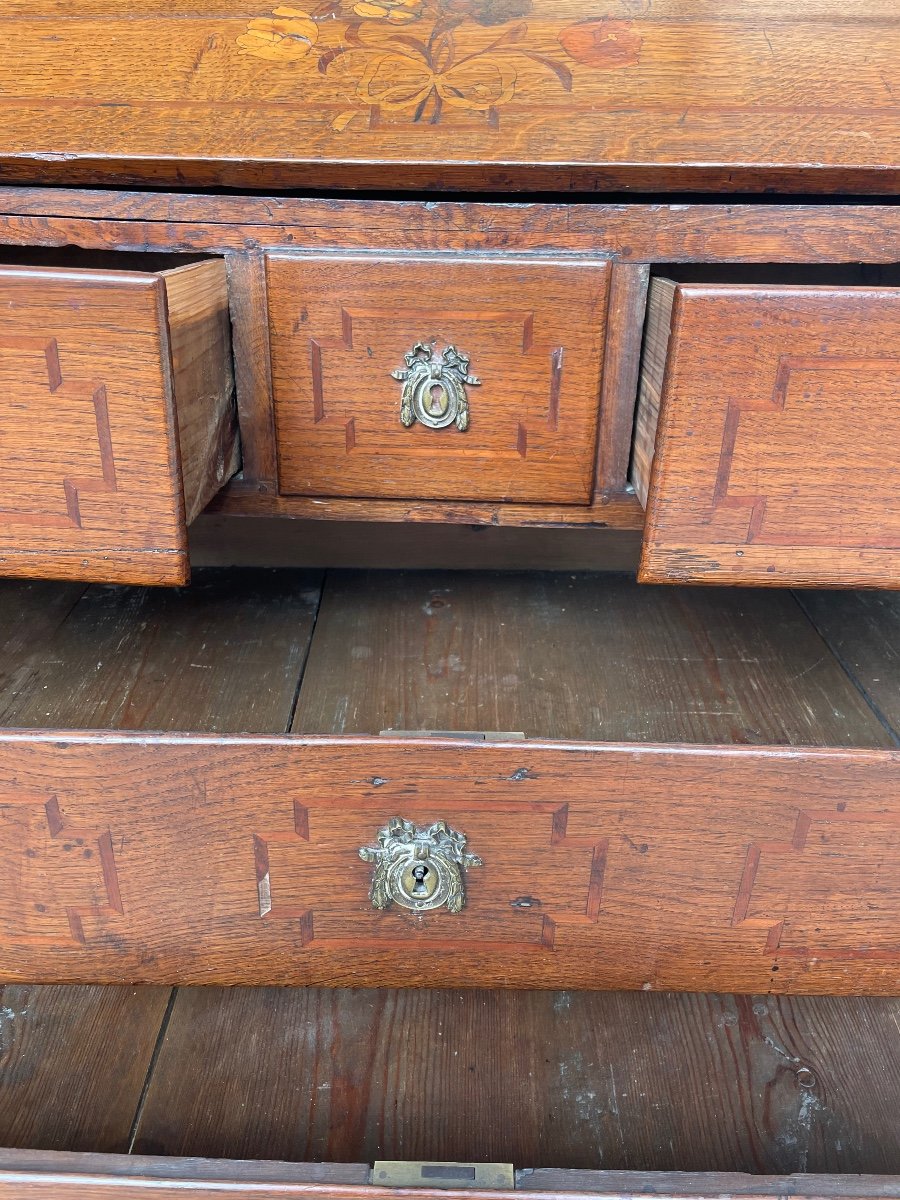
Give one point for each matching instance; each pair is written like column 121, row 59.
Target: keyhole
column 419, row 874
column 437, row 400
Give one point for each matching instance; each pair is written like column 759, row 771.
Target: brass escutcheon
column 434, row 387
column 419, row 869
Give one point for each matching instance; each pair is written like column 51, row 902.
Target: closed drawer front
column 512, row 415
column 767, row 436
column 117, row 418
column 237, row 861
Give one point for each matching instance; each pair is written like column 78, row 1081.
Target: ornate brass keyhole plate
column 434, row 388
column 419, row 869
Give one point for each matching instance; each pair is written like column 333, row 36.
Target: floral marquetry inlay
column 422, row 60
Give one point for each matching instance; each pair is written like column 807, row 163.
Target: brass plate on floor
column 495, row 1176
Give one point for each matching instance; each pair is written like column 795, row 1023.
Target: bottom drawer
column 589, row 846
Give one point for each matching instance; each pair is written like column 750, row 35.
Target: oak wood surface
column 63, row 1169
column 577, row 657
column 203, row 380
column 534, row 331
column 545, row 94
column 621, row 373
column 235, row 861
column 776, row 450
column 91, row 472
column 224, row 656
column 73, row 1062
column 654, row 359
column 663, row 232
column 550, row 1079
column 863, row 631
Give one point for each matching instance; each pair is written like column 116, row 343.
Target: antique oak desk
column 572, row 865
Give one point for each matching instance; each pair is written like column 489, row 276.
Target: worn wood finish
column 552, row 1079
column 202, row 379
column 215, row 860
column 576, row 657
column 24, row 1174
column 618, row 512
column 92, row 366
column 252, row 368
column 621, row 372
column 73, row 1062
column 223, row 656
column 863, row 630
column 533, row 329
column 776, row 451
column 654, row 359
column 635, row 233
column 544, row 94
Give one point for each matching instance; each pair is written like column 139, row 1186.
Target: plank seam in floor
column 160, row 1038
column 871, row 703
column 292, row 712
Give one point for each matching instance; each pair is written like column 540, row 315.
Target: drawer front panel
column 531, row 331
column 204, row 861
column 92, row 477
column 777, row 452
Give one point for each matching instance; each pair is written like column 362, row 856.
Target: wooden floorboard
column 224, row 655
column 612, row 1080
column 574, row 656
column 73, row 1061
column 863, row 630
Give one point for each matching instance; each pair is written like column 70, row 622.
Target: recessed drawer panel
column 767, row 445
column 116, row 418
column 445, row 377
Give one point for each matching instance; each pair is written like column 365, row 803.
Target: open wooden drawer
column 766, row 445
column 117, row 412
column 760, row 853
column 687, row 790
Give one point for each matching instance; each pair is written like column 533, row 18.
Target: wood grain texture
column 203, row 380
column 776, row 451
column 91, row 1176
column 223, row 656
column 654, row 359
column 551, row 1079
column 863, row 631
column 621, row 373
column 541, row 94
column 573, row 657
column 215, row 860
column 91, row 475
column 620, row 512
column 73, row 1062
column 670, row 232
column 78, row 1172
column 534, row 331
column 253, row 369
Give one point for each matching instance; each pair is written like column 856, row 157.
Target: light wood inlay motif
column 511, row 95
column 777, row 449
column 532, row 327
